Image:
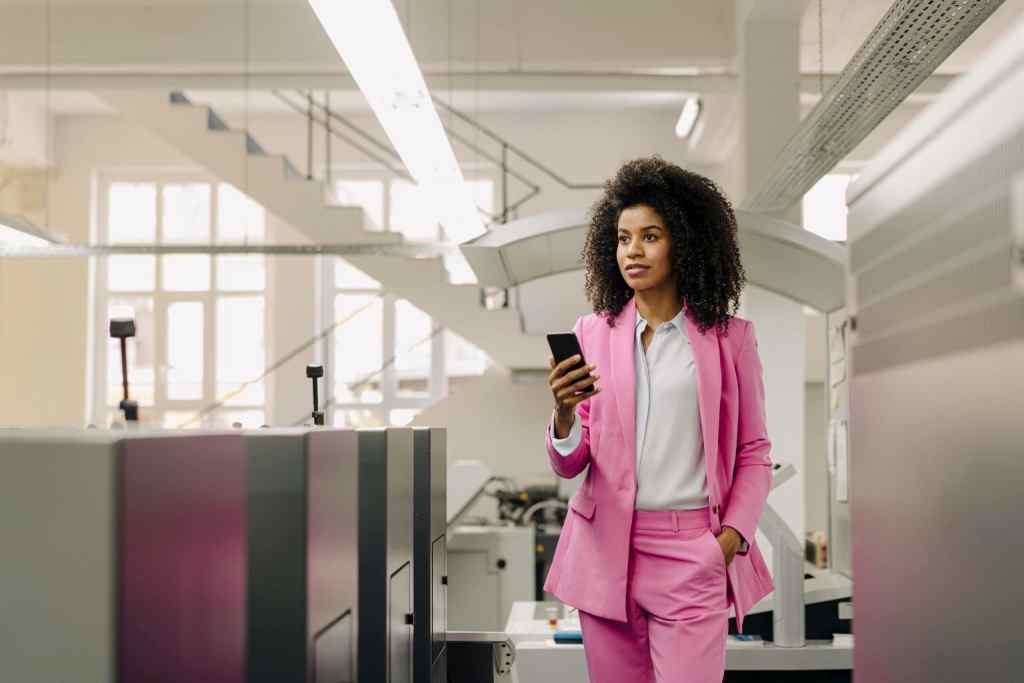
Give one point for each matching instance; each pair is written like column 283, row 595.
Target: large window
column 200, row 350
column 387, row 359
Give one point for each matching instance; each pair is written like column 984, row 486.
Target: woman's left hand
column 730, row 542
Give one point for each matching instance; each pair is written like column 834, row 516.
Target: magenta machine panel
column 182, row 559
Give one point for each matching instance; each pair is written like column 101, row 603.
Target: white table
column 539, row 659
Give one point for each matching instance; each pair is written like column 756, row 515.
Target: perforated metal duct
column 909, row 43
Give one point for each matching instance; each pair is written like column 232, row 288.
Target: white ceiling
column 567, row 39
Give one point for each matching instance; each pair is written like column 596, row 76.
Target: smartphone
column 565, row 345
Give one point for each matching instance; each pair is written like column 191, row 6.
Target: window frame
column 154, row 415
column 438, row 376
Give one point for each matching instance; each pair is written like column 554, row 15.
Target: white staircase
column 272, row 181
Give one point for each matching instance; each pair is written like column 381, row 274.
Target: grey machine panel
column 936, row 288
column 385, row 555
column 302, row 545
column 430, row 554
column 124, row 556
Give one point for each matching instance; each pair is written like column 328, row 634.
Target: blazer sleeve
column 568, row 466
column 752, row 477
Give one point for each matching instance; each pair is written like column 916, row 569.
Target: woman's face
column 644, row 249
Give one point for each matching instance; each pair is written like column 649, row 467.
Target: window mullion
column 389, row 378
column 160, row 305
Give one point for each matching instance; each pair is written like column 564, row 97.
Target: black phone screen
column 565, row 345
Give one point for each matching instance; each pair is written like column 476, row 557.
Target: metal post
column 309, row 135
column 504, row 182
column 327, row 137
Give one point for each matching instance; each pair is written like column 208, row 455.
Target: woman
column 659, row 540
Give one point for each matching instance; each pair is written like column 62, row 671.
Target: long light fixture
column 688, row 117
column 369, row 38
column 15, row 231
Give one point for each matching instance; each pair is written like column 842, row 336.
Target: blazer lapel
column 624, row 373
column 709, row 384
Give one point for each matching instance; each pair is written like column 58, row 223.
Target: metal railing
column 321, row 114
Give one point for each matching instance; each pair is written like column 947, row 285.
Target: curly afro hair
column 705, row 253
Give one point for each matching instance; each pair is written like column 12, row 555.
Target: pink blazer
column 589, row 567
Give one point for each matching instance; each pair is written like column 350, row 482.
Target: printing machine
column 385, row 615
column 302, row 572
column 124, row 556
column 430, row 555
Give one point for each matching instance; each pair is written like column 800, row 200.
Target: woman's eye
column 652, row 236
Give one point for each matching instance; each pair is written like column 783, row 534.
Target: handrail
column 366, row 379
column 326, row 115
column 335, row 133
column 276, row 365
column 323, row 334
column 517, row 151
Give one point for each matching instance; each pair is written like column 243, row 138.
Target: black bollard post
column 314, row 372
column 123, row 328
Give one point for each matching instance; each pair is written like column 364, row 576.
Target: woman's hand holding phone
column 569, row 387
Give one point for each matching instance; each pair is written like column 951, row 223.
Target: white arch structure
column 778, row 256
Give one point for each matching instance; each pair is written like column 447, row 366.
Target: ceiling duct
column 909, row 43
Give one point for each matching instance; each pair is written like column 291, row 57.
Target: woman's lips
column 636, row 270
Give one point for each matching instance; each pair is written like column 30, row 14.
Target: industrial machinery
column 302, row 571
column 124, row 556
column 430, row 555
column 385, row 544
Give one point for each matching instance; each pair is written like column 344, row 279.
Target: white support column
column 291, row 321
column 768, row 61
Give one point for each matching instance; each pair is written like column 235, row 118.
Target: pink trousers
column 676, row 607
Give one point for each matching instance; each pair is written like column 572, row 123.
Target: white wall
column 498, row 420
column 781, row 333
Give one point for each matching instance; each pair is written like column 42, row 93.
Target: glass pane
column 358, row 348
column 412, row 350
column 236, row 419
column 239, row 219
column 131, row 273
column 186, row 273
column 403, row 417
column 462, row 358
column 368, row 194
column 140, row 351
column 181, row 419
column 357, row 418
column 239, row 272
column 186, row 213
column 347, row 277
column 824, row 207
column 241, row 350
column 131, row 212
column 185, row 351
column 411, row 213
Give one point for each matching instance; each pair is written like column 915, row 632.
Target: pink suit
column 611, row 559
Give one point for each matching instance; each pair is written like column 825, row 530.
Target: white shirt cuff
column 570, row 443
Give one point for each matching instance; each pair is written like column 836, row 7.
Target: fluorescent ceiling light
column 15, row 231
column 688, row 117
column 371, row 42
